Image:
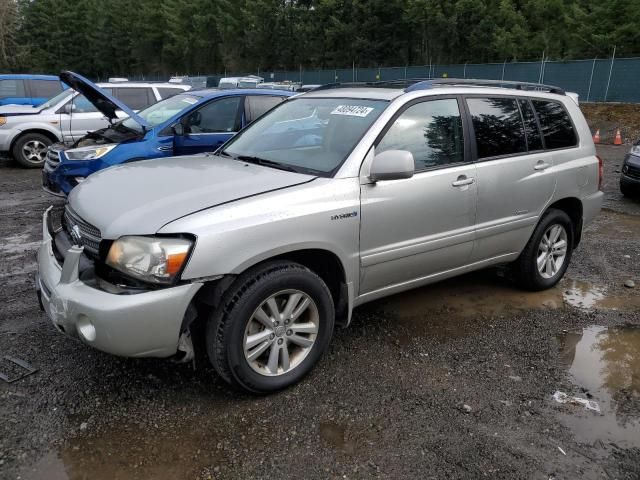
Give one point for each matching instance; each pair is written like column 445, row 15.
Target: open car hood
column 104, row 102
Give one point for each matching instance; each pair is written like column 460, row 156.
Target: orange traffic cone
column 596, row 137
column 618, row 139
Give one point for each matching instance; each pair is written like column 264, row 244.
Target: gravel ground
column 451, row 381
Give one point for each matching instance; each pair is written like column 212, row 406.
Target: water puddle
column 333, row 434
column 132, row 452
column 604, row 364
column 442, row 307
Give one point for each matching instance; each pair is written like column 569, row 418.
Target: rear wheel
column 30, row 150
column 627, row 189
column 546, row 256
column 272, row 327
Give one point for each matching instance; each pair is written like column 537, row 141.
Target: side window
column 431, row 131
column 45, row 88
column 498, row 126
column 166, row 92
column 216, row 116
column 257, row 105
column 82, row 105
column 135, row 98
column 556, row 125
column 11, row 88
column 534, row 138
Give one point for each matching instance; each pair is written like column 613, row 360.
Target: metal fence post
column 464, row 70
column 613, row 59
column 504, row 64
column 593, row 67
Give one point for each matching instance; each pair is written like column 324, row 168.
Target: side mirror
column 392, row 165
column 68, row 108
column 178, row 129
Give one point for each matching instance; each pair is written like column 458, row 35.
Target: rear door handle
column 463, row 180
column 541, row 165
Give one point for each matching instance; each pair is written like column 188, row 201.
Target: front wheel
column 272, row 327
column 546, row 256
column 30, row 150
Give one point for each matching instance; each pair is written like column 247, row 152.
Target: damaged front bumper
column 145, row 324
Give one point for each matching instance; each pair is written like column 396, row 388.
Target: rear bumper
column 135, row 325
column 591, row 206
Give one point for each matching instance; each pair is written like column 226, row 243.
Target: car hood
column 141, row 197
column 105, row 103
column 8, row 110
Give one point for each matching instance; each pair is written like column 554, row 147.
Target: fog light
column 79, row 179
column 85, row 329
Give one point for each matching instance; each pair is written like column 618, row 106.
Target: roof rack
column 426, row 84
column 410, row 85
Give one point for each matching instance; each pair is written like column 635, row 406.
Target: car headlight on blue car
column 150, row 259
column 89, row 153
column 635, row 150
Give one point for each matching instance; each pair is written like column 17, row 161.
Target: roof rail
column 426, row 84
column 410, row 85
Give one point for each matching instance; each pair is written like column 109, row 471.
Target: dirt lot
column 451, row 381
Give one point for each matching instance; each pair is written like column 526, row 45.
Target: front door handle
column 463, row 180
column 541, row 165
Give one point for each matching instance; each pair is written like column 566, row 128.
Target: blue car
column 185, row 124
column 29, row 89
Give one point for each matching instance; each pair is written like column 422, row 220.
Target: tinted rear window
column 136, row 98
column 258, row 105
column 11, row 88
column 556, row 125
column 534, row 138
column 45, row 88
column 166, row 92
column 498, row 126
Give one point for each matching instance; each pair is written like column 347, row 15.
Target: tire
column 627, row 189
column 526, row 270
column 30, row 150
column 232, row 324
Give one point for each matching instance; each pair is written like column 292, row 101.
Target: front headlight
column 3, row 120
column 635, row 150
column 150, row 259
column 89, row 153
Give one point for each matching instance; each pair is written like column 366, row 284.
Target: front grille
column 633, row 172
column 53, row 157
column 90, row 236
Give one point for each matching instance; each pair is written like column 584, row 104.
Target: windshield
column 247, row 84
column 162, row 111
column 52, row 102
column 307, row 134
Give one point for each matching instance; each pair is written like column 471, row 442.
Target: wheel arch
column 572, row 206
column 325, row 263
column 47, row 133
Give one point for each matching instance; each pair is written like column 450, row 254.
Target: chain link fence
column 594, row 80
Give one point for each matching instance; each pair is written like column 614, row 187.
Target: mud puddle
column 604, row 364
column 199, row 444
column 455, row 307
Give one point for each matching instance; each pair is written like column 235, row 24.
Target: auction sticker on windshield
column 352, row 110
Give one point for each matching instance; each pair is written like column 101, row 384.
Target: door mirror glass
column 178, row 129
column 68, row 108
column 392, row 165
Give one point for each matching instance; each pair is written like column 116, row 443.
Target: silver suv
column 332, row 199
column 26, row 132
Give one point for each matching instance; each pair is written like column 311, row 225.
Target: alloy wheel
column 281, row 332
column 34, row 151
column 552, row 251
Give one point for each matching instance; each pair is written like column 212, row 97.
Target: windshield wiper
column 264, row 162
